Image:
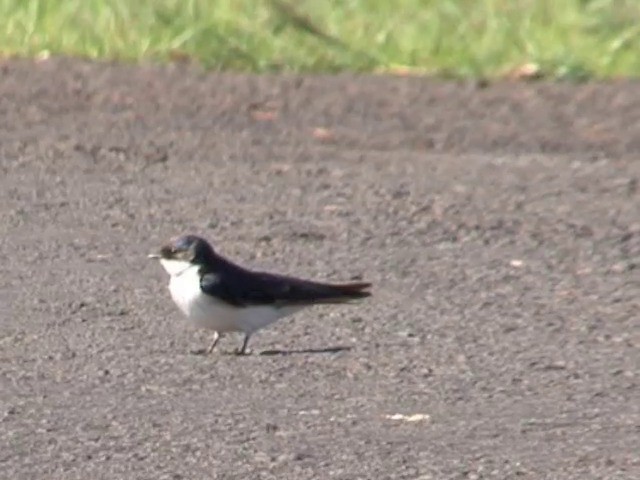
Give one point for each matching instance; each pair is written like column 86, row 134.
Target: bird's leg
column 216, row 337
column 243, row 349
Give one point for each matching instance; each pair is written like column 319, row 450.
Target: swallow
column 216, row 294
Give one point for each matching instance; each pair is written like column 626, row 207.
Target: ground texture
column 500, row 225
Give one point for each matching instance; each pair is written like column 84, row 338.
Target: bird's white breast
column 205, row 311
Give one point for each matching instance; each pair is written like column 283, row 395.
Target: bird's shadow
column 278, row 352
column 306, row 351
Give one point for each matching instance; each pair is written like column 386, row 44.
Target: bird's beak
column 153, row 255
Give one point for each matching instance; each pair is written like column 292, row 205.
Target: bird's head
column 183, row 252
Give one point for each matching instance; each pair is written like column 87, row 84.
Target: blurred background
column 573, row 39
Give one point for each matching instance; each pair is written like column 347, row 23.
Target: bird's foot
column 216, row 338
column 243, row 349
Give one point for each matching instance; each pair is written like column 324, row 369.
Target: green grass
column 478, row 38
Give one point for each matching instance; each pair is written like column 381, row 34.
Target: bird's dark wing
column 244, row 288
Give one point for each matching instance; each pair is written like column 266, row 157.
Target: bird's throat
column 176, row 267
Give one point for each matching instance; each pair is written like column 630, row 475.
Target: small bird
column 216, row 294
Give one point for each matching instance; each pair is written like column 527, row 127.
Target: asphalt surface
column 499, row 224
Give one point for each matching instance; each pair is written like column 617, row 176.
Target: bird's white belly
column 204, row 311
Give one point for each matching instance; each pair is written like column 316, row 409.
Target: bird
column 216, row 294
